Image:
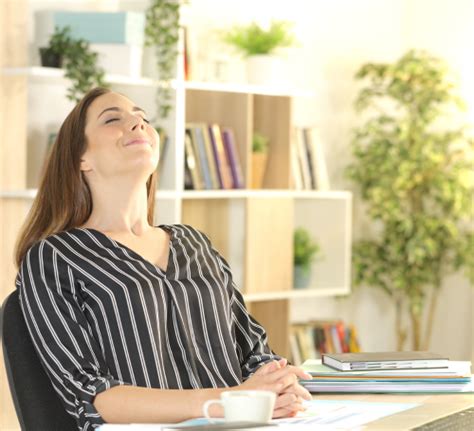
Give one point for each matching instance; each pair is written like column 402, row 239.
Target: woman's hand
column 278, row 377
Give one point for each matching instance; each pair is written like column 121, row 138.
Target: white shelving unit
column 230, row 217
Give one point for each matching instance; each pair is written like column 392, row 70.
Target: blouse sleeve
column 251, row 339
column 62, row 336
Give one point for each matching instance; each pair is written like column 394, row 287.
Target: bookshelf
column 249, row 227
column 252, row 229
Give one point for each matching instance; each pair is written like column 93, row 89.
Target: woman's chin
column 142, row 167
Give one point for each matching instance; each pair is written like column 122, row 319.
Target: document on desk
column 344, row 415
column 320, row 415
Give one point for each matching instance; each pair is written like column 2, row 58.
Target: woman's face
column 119, row 140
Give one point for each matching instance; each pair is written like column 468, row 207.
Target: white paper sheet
column 320, row 415
column 345, row 415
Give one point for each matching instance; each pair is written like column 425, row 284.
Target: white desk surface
column 432, row 406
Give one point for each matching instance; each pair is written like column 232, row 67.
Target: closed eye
column 117, row 119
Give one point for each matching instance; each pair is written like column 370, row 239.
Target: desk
column 432, row 406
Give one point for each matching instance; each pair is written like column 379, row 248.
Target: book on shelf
column 233, row 158
column 308, row 164
column 199, row 147
column 186, row 54
column 220, row 157
column 384, row 360
column 295, row 170
column 209, row 155
column 303, row 161
column 318, row 159
column 311, row 340
column 211, row 158
column 192, row 179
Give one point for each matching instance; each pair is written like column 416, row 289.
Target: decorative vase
column 259, row 163
column 264, row 70
column 301, row 277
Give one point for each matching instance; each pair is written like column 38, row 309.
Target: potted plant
column 305, row 251
column 259, row 45
column 259, row 159
column 77, row 60
column 414, row 171
column 162, row 34
column 52, row 55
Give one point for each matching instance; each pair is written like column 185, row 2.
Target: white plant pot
column 264, row 70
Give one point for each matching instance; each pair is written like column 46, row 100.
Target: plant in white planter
column 259, row 159
column 305, row 251
column 259, row 45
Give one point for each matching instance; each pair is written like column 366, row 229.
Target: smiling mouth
column 138, row 142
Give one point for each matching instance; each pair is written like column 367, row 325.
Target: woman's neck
column 119, row 208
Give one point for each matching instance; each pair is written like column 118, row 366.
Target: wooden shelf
column 297, row 294
column 51, row 74
column 29, row 194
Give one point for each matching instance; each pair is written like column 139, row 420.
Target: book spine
column 322, row 177
column 202, row 157
column 231, row 151
column 308, row 153
column 225, row 168
column 194, row 182
column 303, row 159
column 217, row 159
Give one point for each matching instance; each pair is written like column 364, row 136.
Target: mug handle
column 207, row 404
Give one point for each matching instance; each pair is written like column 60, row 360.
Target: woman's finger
column 299, row 390
column 286, row 412
column 290, row 369
column 268, row 368
column 286, row 381
column 285, row 400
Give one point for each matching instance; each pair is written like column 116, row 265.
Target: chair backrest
column 37, row 404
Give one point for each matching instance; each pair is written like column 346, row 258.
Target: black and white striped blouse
column 100, row 315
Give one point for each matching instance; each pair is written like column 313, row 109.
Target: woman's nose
column 137, row 122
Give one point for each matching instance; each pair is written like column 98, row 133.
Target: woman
column 132, row 322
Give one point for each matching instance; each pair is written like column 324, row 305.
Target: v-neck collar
column 118, row 244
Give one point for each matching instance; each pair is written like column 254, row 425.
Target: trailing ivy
column 78, row 61
column 162, row 33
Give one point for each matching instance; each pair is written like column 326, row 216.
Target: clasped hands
column 281, row 378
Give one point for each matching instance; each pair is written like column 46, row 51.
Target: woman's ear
column 85, row 165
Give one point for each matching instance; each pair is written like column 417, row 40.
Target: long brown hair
column 64, row 199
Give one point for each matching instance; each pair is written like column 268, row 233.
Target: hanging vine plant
column 162, row 33
column 78, row 60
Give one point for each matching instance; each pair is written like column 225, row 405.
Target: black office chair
column 37, row 405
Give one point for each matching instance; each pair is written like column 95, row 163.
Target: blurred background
column 331, row 41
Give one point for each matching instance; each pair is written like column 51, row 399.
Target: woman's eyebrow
column 117, row 109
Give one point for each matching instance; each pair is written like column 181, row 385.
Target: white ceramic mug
column 244, row 406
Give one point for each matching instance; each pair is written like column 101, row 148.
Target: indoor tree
column 413, row 163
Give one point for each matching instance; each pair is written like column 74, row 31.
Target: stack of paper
column 455, row 378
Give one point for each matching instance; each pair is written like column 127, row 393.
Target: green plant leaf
column 252, row 39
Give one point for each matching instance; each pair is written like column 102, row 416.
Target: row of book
column 313, row 339
column 211, row 158
column 308, row 164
